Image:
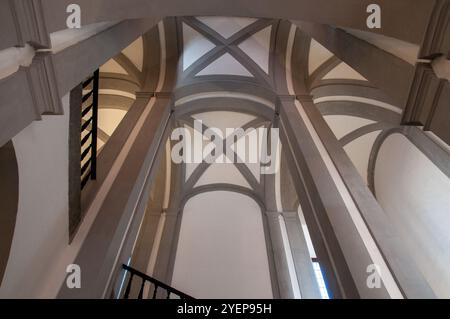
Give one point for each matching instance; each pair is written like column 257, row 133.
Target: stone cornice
column 437, row 37
column 30, row 23
column 428, row 103
column 42, row 81
column 26, row 95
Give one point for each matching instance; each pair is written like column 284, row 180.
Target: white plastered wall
column 41, row 230
column 414, row 193
column 221, row 249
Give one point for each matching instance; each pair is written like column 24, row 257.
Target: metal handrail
column 158, row 284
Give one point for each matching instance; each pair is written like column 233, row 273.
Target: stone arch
column 251, row 196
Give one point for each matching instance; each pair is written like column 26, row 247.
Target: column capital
column 286, row 97
column 304, row 97
column 144, row 95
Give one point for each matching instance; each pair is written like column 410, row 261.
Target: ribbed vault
column 236, row 72
column 236, row 67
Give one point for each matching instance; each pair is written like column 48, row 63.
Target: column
column 302, row 260
column 345, row 211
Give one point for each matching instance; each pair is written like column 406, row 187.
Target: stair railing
column 168, row 291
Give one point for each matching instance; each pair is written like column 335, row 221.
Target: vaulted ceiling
column 227, row 72
column 121, row 77
column 224, row 65
column 355, row 110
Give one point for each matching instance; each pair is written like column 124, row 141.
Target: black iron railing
column 167, row 291
column 89, row 117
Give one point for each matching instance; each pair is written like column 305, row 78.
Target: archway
column 221, row 249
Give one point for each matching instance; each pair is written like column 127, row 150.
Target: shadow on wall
column 9, row 190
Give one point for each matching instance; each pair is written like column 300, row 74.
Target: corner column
column 355, row 231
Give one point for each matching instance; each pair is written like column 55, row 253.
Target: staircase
column 164, row 290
